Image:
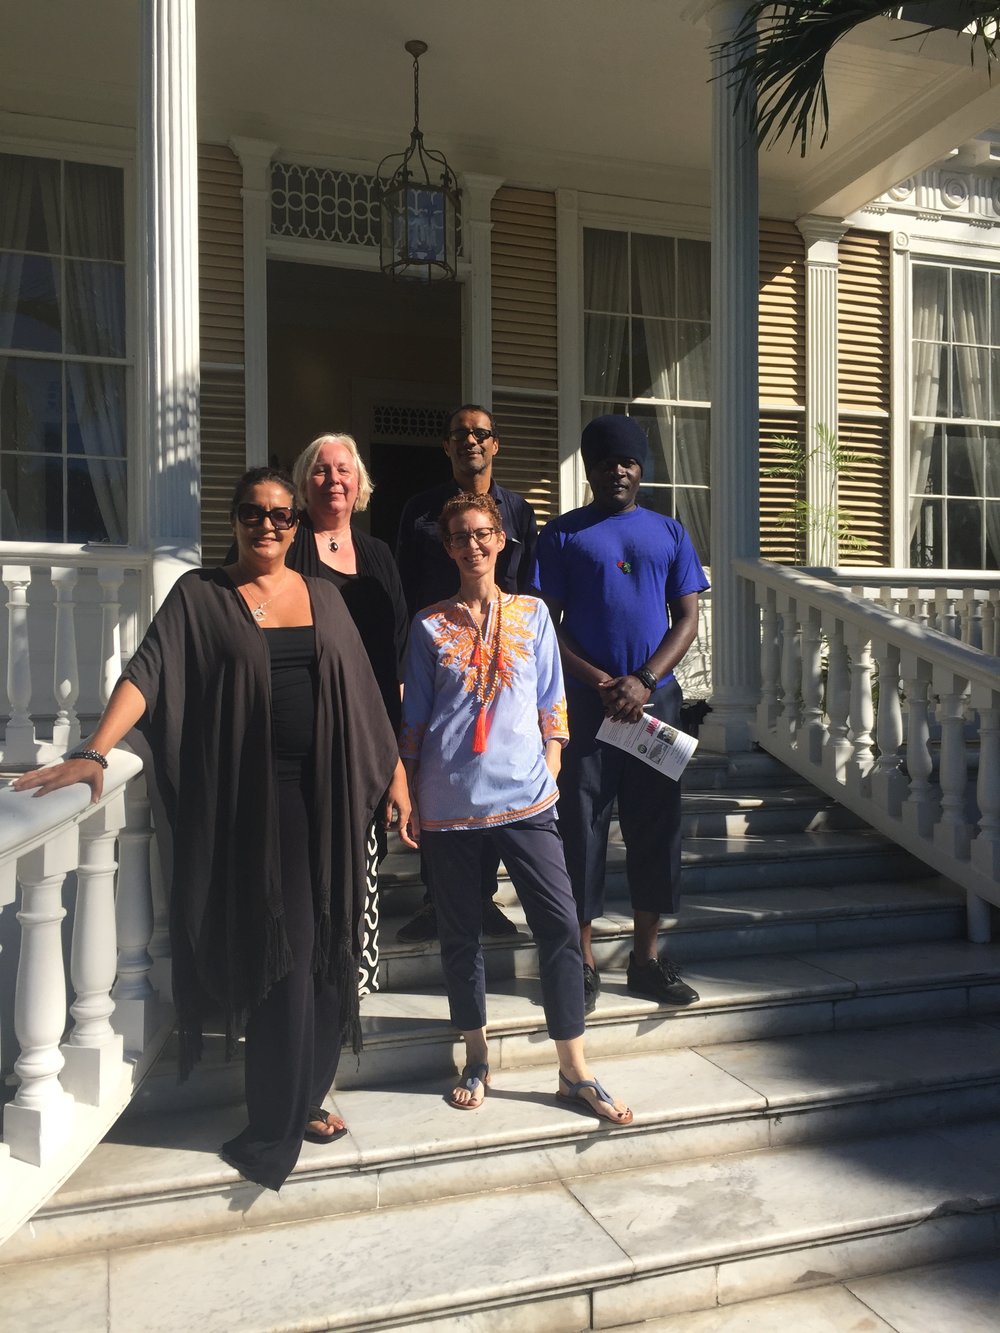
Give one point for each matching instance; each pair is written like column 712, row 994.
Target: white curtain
column 687, row 464
column 970, row 302
column 929, row 308
column 605, row 289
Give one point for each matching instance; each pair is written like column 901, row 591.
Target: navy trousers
column 532, row 851
column 593, row 776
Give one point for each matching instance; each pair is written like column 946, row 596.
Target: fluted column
column 822, row 237
column 477, row 226
column 168, row 251
column 735, row 469
column 255, row 158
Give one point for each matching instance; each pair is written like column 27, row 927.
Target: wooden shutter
column 782, row 338
column 223, row 390
column 864, row 384
column 525, row 344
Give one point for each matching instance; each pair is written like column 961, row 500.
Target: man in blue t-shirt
column 622, row 584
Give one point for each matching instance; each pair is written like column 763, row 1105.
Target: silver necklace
column 331, row 542
column 260, row 610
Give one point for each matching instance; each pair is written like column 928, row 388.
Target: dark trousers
column 485, row 874
column 593, row 776
column 293, row 1037
column 533, row 854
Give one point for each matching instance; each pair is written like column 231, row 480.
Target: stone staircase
column 828, row 1112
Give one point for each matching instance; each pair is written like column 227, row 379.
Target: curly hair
column 464, row 504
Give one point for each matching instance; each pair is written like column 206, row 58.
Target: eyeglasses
column 457, row 541
column 282, row 518
column 479, row 434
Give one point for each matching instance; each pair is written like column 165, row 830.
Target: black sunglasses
column 252, row 516
column 479, row 434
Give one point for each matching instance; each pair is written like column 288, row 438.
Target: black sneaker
column 658, row 980
column 495, row 924
column 423, row 927
column 591, row 988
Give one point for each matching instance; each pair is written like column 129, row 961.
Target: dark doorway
column 399, row 472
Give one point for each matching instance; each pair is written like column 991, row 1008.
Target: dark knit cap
column 613, row 436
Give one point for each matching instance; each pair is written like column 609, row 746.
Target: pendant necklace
column 260, row 610
column 331, row 542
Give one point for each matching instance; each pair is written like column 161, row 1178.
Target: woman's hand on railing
column 42, row 781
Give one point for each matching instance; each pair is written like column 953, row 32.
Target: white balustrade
column 909, row 713
column 110, row 577
column 66, row 677
column 135, row 998
column 20, row 743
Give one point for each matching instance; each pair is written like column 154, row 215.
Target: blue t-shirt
column 614, row 575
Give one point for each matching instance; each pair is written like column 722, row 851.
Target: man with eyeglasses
column 622, row 584
column 428, row 575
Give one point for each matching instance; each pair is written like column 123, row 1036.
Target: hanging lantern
column 418, row 204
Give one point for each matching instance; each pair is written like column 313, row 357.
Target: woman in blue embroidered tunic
column 484, row 723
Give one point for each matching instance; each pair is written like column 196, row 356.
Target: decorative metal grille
column 320, row 204
column 396, row 422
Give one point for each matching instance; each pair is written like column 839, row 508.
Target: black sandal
column 320, row 1113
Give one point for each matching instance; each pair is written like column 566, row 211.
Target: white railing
column 964, row 604
column 65, row 609
column 77, row 1062
column 918, row 756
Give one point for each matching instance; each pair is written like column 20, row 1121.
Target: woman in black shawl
column 255, row 707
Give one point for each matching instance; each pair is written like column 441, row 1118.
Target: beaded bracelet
column 96, row 755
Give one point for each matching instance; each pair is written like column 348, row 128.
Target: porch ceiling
column 581, row 93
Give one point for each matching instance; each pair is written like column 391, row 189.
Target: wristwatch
column 646, row 676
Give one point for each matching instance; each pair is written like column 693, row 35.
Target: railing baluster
column 888, row 784
column 95, row 1066
column 110, row 578
column 19, row 746
column 40, row 1118
column 136, row 1001
column 920, row 806
column 838, row 701
column 952, row 832
column 985, row 850
column 66, row 676
column 788, row 721
column 989, row 623
column 770, row 662
column 862, row 713
column 813, row 730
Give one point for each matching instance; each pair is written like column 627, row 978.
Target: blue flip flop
column 474, row 1079
column 573, row 1094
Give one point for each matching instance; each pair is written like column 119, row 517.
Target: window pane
column 29, row 204
column 692, row 433
column 658, row 498
column 930, row 380
column 95, row 211
column 30, row 405
column 95, row 494
column 654, row 355
column 653, row 276
column 694, row 511
column 964, row 461
column 694, row 361
column 965, row 534
column 694, row 279
column 930, row 302
column 605, row 370
column 969, row 306
column 991, row 480
column 970, row 383
column 95, row 308
column 29, row 303
column 927, row 544
column 926, row 459
column 605, row 270
column 992, row 521
column 95, row 410
column 657, row 422
column 31, row 498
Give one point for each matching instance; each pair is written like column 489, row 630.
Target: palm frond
column 776, row 59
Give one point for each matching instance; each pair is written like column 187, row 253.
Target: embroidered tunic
column 450, row 669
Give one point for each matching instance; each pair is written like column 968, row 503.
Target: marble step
column 408, row 1036
column 963, row 1296
column 157, row 1175
column 589, row 1249
column 720, row 924
column 713, row 864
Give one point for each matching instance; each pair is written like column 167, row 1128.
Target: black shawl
column 204, row 671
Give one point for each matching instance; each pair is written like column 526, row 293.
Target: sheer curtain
column 605, row 370
column 686, row 464
column 970, row 303
column 929, row 308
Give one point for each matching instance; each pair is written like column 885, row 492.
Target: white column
column 822, row 237
column 255, row 158
column 735, row 404
column 168, row 262
column 477, row 309
column 569, row 268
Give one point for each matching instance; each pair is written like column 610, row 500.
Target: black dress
column 374, row 598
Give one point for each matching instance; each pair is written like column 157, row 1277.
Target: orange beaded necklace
column 487, row 661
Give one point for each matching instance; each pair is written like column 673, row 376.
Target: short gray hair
column 306, row 461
